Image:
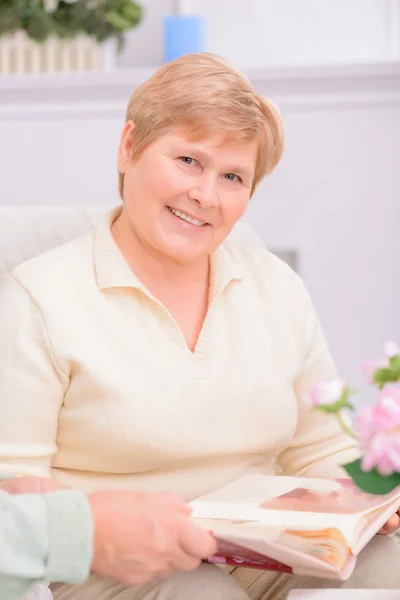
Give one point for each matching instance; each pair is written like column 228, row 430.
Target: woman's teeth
column 185, row 217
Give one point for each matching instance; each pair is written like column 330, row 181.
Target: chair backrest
column 26, row 232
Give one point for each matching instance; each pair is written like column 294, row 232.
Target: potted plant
column 48, row 35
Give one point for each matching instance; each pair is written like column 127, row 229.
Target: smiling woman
column 155, row 355
column 211, row 141
column 184, row 213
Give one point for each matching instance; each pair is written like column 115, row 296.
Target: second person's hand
column 141, row 535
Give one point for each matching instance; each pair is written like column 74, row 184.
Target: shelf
column 291, row 87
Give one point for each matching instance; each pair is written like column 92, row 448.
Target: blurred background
column 333, row 67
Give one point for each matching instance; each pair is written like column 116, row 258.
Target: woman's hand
column 391, row 525
column 30, row 485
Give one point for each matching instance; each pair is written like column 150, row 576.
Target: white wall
column 259, row 33
column 335, row 198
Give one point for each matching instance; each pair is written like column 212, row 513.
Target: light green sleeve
column 43, row 537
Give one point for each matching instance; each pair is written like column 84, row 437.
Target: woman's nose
column 205, row 192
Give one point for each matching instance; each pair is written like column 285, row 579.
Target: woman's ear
column 125, row 146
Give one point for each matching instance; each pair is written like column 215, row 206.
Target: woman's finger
column 391, row 525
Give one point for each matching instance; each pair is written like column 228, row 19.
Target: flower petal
column 391, row 349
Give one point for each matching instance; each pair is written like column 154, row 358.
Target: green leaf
column 10, row 21
column 383, row 376
column 395, row 364
column 132, row 12
column 372, row 482
column 117, row 21
column 333, row 408
column 39, row 27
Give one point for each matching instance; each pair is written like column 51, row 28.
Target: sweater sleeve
column 32, row 385
column 319, row 445
column 44, row 537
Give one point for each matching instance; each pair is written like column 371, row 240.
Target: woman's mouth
column 187, row 218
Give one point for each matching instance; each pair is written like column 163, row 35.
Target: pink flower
column 327, row 392
column 379, row 431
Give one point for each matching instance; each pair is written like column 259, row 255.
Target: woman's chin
column 185, row 253
column 183, row 248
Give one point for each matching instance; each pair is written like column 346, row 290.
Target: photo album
column 305, row 526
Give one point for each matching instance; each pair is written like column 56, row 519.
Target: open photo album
column 307, row 526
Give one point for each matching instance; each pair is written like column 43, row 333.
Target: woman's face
column 182, row 198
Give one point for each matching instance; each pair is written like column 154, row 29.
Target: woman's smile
column 186, row 220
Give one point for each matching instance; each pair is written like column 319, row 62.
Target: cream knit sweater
column 98, row 388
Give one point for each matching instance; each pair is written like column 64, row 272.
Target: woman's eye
column 232, row 177
column 187, row 160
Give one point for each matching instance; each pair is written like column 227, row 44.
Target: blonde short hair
column 202, row 94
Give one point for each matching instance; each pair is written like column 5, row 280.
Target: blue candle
column 183, row 34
